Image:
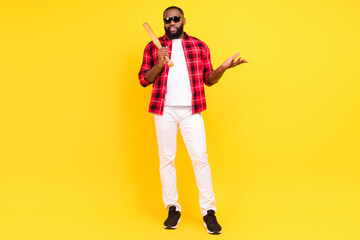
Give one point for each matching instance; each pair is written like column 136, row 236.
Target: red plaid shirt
column 198, row 62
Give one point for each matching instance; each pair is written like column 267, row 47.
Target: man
column 177, row 100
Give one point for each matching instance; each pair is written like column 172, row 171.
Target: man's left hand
column 232, row 63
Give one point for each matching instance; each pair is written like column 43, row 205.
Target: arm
column 150, row 72
column 215, row 75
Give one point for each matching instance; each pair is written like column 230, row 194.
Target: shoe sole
column 211, row 231
column 172, row 227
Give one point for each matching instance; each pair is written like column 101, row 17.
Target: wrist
column 160, row 65
column 222, row 68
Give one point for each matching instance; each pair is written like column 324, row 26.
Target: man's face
column 174, row 30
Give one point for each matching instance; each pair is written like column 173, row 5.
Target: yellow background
column 78, row 147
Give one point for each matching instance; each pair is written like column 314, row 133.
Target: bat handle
column 169, row 62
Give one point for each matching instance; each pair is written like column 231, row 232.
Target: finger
column 236, row 54
column 237, row 62
column 164, row 51
column 231, row 59
column 242, row 61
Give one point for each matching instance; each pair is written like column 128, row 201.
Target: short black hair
column 174, row 7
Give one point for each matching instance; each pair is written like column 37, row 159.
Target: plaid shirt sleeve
column 208, row 68
column 148, row 63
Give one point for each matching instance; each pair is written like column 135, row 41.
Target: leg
column 193, row 131
column 166, row 132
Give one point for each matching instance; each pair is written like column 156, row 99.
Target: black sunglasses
column 175, row 19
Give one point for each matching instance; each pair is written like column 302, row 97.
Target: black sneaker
column 211, row 223
column 173, row 218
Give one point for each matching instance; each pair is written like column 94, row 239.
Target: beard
column 175, row 35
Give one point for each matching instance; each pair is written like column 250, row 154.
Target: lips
column 173, row 29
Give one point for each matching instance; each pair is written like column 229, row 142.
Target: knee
column 200, row 158
column 166, row 160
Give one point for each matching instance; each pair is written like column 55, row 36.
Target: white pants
column 193, row 132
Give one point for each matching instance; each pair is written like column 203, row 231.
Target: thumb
column 236, row 54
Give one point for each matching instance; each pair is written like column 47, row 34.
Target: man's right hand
column 161, row 53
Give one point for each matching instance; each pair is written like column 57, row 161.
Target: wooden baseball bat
column 156, row 42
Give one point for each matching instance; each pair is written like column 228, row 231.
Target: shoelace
column 212, row 217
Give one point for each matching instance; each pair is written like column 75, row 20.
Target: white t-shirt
column 178, row 91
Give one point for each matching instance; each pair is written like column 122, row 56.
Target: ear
column 184, row 21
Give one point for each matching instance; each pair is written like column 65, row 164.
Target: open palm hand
column 229, row 63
